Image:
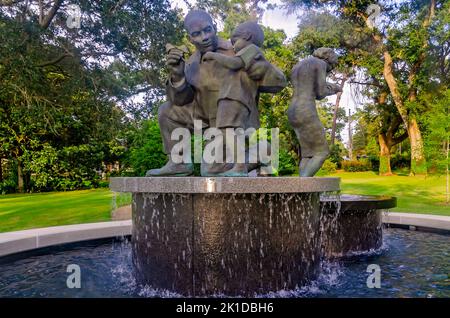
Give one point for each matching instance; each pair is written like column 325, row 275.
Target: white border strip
column 14, row 242
column 439, row 222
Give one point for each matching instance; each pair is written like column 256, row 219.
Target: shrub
column 328, row 167
column 356, row 165
column 287, row 163
column 7, row 186
column 374, row 162
column 103, row 184
column 146, row 151
column 400, row 161
column 335, row 155
column 66, row 169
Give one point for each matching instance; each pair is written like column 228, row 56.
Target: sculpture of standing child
column 309, row 81
column 239, row 96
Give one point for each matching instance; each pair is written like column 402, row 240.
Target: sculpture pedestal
column 233, row 236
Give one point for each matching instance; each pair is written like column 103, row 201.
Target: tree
column 61, row 88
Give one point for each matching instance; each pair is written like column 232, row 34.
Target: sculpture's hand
column 175, row 62
column 208, row 56
column 257, row 70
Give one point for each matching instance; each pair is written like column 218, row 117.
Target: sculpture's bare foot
column 236, row 171
column 266, row 171
column 172, row 170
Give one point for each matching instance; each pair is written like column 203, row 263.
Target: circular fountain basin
column 234, row 236
column 413, row 264
column 353, row 223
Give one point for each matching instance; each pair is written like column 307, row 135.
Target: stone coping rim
column 361, row 202
column 205, row 185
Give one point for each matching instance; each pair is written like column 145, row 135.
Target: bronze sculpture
column 193, row 91
column 309, row 81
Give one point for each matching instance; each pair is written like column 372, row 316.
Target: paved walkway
column 420, row 220
column 14, row 242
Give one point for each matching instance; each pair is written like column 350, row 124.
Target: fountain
column 235, row 236
column 224, row 232
column 227, row 234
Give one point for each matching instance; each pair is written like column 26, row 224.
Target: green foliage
column 356, row 165
column 7, row 186
column 146, row 149
column 328, row 167
column 438, row 135
column 400, row 161
column 336, row 154
column 287, row 163
column 69, row 168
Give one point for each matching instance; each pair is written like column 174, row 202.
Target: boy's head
column 247, row 33
column 328, row 55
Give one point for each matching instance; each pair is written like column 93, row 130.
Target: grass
column 418, row 194
column 27, row 211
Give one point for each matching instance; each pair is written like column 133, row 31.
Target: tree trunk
column 350, row 137
column 447, row 173
column 336, row 109
column 385, row 156
column 1, row 170
column 20, row 182
column 418, row 161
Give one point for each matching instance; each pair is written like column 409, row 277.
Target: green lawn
column 26, row 211
column 414, row 194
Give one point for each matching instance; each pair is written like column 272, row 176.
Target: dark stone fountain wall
column 352, row 224
column 232, row 244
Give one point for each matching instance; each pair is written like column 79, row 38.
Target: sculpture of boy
column 309, row 81
column 238, row 97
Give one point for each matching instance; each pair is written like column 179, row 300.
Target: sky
column 276, row 19
column 280, row 19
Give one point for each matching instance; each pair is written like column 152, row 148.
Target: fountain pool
column 413, row 264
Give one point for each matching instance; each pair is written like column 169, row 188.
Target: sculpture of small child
column 238, row 97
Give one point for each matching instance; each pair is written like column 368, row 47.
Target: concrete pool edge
column 421, row 222
column 21, row 241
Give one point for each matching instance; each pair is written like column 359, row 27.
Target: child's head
column 247, row 33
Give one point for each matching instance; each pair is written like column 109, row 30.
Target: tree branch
column 364, row 83
column 399, row 139
column 48, row 19
column 41, row 12
column 56, row 60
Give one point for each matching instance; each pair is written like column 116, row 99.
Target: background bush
column 328, row 167
column 356, row 165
